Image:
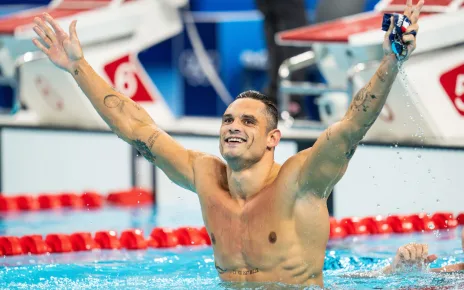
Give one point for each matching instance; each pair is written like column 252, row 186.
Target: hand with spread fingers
column 408, row 36
column 62, row 49
column 409, row 257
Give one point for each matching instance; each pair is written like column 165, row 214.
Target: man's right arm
column 133, row 124
column 125, row 117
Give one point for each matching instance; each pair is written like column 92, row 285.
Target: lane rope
column 134, row 239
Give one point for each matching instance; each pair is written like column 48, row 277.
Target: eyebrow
column 243, row 117
column 250, row 117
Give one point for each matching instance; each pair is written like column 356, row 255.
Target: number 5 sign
column 125, row 78
column 453, row 83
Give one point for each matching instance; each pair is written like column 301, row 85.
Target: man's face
column 244, row 134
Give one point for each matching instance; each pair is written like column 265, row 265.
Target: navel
column 272, row 237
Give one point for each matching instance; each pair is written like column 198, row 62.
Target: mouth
column 235, row 140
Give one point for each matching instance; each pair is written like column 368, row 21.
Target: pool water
column 193, row 267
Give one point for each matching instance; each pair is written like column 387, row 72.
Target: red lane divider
column 132, row 239
column 34, row 244
column 83, row 242
column 59, row 243
column 88, row 199
column 393, row 224
column 107, row 240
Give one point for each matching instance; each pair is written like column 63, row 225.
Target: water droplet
column 419, row 156
column 396, row 145
column 378, row 205
column 438, row 201
column 433, row 178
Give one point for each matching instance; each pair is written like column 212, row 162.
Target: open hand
column 412, row 256
column 62, row 49
column 408, row 39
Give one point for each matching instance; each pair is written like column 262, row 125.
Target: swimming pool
column 193, row 267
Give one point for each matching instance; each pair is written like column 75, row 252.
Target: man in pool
column 267, row 222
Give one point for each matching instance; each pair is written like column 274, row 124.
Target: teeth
column 235, row 140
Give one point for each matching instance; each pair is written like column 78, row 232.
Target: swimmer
column 413, row 256
column 267, row 222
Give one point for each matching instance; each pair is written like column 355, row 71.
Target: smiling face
column 245, row 135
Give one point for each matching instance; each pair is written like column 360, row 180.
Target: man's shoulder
column 205, row 161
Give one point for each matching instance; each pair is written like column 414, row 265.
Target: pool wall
column 381, row 178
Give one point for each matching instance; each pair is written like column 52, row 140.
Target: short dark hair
column 271, row 108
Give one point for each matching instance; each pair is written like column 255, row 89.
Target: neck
column 247, row 181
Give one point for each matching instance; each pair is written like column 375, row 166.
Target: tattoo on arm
column 145, row 148
column 152, row 138
column 360, row 99
column 76, row 72
column 137, row 106
column 328, row 133
column 112, row 101
column 380, row 76
column 351, row 152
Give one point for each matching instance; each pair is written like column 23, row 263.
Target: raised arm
column 327, row 160
column 124, row 116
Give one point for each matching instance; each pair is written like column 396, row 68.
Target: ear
column 273, row 138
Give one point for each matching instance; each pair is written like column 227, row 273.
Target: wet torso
column 268, row 238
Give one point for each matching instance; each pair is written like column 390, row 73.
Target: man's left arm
column 326, row 162
column 328, row 159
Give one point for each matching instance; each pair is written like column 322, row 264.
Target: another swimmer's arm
column 125, row 117
column 412, row 256
column 449, row 268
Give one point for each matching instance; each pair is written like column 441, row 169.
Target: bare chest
column 252, row 236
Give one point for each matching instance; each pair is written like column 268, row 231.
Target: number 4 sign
column 453, row 83
column 125, row 77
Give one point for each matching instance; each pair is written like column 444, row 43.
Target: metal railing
column 288, row 87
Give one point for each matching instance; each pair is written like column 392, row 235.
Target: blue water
column 193, row 267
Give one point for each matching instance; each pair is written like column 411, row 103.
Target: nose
column 234, row 131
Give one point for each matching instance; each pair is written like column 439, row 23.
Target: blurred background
column 185, row 61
